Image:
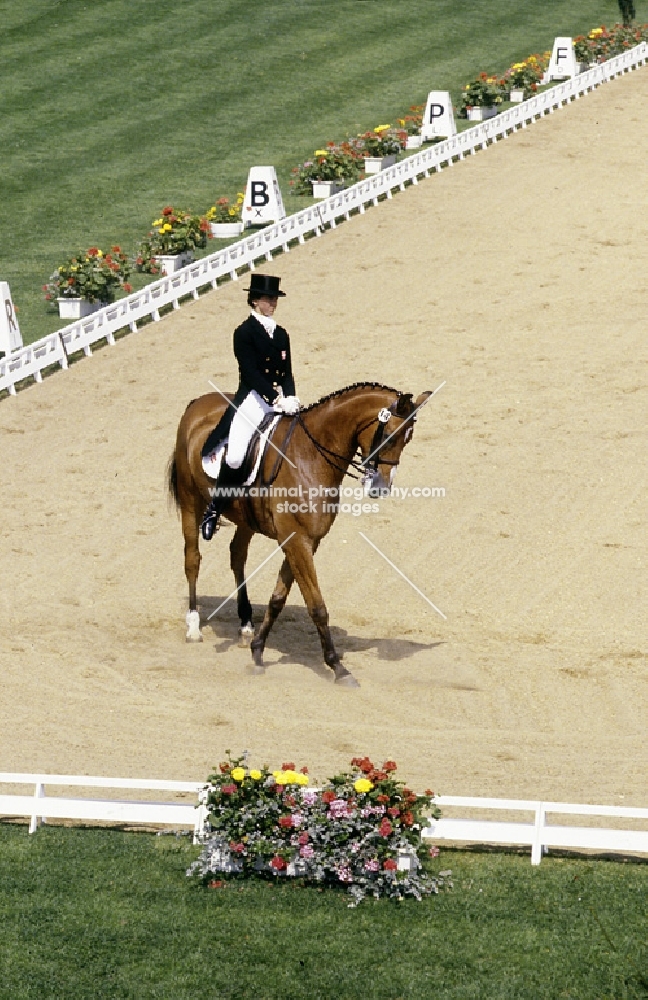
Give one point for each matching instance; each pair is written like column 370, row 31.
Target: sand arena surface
column 519, row 278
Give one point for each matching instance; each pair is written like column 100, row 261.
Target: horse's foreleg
column 299, row 552
column 190, row 530
column 238, row 554
column 274, row 609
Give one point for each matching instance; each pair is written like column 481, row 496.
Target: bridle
column 367, row 469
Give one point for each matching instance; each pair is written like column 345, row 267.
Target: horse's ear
column 423, row 398
column 404, row 405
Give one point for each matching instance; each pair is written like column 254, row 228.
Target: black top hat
column 265, row 284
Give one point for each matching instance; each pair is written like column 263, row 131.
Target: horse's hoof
column 256, row 670
column 246, row 635
column 257, row 656
column 347, row 680
column 193, row 627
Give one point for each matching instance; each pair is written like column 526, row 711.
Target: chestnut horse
column 311, row 455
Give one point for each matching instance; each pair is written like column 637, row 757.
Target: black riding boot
column 218, row 503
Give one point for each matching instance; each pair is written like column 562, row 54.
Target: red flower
column 238, row 848
column 70, row 281
column 394, row 812
column 285, row 821
column 288, row 767
column 128, row 287
column 303, row 838
column 167, row 211
column 428, row 791
column 366, row 765
column 407, row 818
column 278, row 864
column 382, row 799
column 385, row 828
column 93, row 251
column 216, row 883
column 228, row 789
column 116, row 249
column 225, row 768
column 289, row 800
column 328, row 797
column 303, row 770
column 389, row 765
column 379, row 775
column 390, row 865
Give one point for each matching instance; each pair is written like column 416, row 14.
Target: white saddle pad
column 212, row 462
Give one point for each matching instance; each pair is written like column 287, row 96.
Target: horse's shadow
column 299, row 642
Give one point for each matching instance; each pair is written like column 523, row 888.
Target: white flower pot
column 481, row 114
column 374, row 164
column 324, row 189
column 516, row 96
column 225, row 230
column 77, row 308
column 414, row 141
column 169, row 263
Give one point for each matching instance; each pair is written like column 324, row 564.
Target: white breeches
column 246, row 420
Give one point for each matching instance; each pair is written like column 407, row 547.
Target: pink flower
column 372, row 866
column 344, row 874
column 306, row 851
column 303, row 838
column 434, row 852
column 228, row 789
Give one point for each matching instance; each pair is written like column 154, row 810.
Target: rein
column 382, row 418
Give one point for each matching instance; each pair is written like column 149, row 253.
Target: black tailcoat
column 264, row 363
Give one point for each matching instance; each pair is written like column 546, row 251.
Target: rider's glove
column 287, row 404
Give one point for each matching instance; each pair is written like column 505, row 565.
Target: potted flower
column 411, row 125
column 379, row 148
column 523, row 78
column 224, row 217
column 87, row 281
column 172, row 240
column 481, row 98
column 328, row 172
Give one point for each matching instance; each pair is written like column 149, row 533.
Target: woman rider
column 266, row 383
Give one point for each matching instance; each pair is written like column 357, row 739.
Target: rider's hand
column 287, row 404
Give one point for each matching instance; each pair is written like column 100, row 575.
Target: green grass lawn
column 109, row 111
column 101, row 913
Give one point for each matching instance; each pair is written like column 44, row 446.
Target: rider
column 266, row 383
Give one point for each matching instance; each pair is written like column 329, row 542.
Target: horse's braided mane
column 349, row 388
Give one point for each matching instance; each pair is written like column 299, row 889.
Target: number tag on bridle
column 384, row 416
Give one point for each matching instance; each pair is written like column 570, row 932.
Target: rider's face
column 266, row 305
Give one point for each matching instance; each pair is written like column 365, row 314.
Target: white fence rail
column 538, row 834
column 39, row 807
column 29, row 362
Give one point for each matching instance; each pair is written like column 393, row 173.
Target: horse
column 306, row 460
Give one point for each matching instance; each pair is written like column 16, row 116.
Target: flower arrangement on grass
column 351, row 833
column 225, row 211
column 412, row 123
column 527, row 74
column 93, row 275
column 382, row 141
column 603, row 43
column 341, row 162
column 175, row 232
column 483, row 92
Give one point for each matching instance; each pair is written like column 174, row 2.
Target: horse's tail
column 172, row 480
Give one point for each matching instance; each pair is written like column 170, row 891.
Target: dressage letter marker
column 562, row 65
column 263, row 202
column 10, row 339
column 438, row 120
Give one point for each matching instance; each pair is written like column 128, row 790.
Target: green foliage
column 109, row 128
column 91, row 275
column 94, row 914
column 175, row 232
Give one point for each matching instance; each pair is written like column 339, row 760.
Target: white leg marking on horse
column 193, row 627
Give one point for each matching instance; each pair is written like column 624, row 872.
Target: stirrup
column 210, row 524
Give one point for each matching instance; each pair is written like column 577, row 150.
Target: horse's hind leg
column 238, row 554
column 274, row 609
column 190, row 529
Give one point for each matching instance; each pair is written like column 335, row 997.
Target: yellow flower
column 279, row 777
column 166, row 228
column 99, row 253
column 158, row 222
column 161, row 229
column 256, row 775
column 381, row 128
column 237, row 773
column 233, row 211
column 321, row 152
column 302, row 779
column 363, row 785
column 241, row 196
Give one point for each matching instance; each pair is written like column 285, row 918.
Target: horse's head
column 382, row 440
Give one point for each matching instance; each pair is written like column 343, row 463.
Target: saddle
column 213, row 460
